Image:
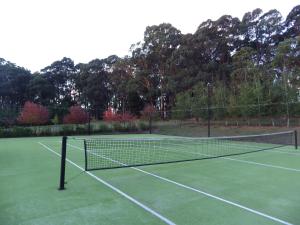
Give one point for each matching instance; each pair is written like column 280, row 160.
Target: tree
column 123, row 87
column 183, row 105
column 192, row 103
column 151, row 60
column 292, row 23
column 61, row 75
column 92, row 84
column 149, row 112
column 110, row 115
column 13, row 84
column 287, row 67
column 40, row 90
column 77, row 115
column 246, row 83
column 33, row 114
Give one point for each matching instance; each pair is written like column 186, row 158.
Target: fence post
column 89, row 123
column 208, row 109
column 150, row 124
column 296, row 139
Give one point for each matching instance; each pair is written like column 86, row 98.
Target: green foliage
column 192, row 103
column 143, row 126
column 182, row 110
column 16, row 132
column 104, row 128
column 55, row 120
column 252, row 65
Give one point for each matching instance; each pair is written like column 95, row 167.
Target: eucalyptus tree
column 292, row 23
column 211, row 47
column 13, row 84
column 262, row 32
column 92, row 85
column 61, row 75
column 40, row 90
column 287, row 66
column 151, row 60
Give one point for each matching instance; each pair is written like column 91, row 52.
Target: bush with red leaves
column 77, row 115
column 127, row 117
column 148, row 111
column 111, row 116
column 33, row 114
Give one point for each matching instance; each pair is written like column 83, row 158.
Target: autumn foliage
column 148, row 111
column 33, row 114
column 110, row 116
column 77, row 115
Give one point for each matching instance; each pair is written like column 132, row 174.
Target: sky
column 35, row 33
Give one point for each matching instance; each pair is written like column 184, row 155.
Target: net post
column 85, row 155
column 296, row 139
column 63, row 163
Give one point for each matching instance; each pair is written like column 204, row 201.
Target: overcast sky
column 35, row 33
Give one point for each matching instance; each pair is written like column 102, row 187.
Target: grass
column 29, row 176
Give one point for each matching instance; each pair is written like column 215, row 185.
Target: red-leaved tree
column 127, row 117
column 110, row 116
column 77, row 115
column 148, row 112
column 33, row 114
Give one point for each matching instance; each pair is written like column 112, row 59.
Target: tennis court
column 256, row 188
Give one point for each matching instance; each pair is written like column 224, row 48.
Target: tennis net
column 107, row 153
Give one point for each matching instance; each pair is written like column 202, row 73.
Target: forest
column 249, row 67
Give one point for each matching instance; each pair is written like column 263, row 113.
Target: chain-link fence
column 197, row 121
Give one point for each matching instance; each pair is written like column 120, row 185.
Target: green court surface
column 255, row 188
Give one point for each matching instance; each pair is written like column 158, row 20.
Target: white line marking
column 246, row 161
column 164, row 219
column 263, row 164
column 198, row 191
column 286, row 152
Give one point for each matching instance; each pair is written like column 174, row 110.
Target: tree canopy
column 250, row 62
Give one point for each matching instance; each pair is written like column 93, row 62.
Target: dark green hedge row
column 59, row 130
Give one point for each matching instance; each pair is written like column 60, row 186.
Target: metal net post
column 63, row 163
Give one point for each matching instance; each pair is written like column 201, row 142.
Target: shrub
column 33, row 114
column 55, row 120
column 82, row 130
column 20, row 132
column 148, row 112
column 66, row 130
column 77, row 115
column 111, row 116
column 117, row 127
column 143, row 126
column 126, row 117
column 104, row 128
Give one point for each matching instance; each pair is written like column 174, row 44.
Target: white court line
column 245, row 161
column 164, row 219
column 263, row 164
column 289, row 152
column 196, row 190
column 233, row 145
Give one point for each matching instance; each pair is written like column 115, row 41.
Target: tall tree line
column 252, row 61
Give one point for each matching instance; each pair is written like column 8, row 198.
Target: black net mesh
column 105, row 153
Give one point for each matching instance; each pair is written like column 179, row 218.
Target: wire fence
column 191, row 121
